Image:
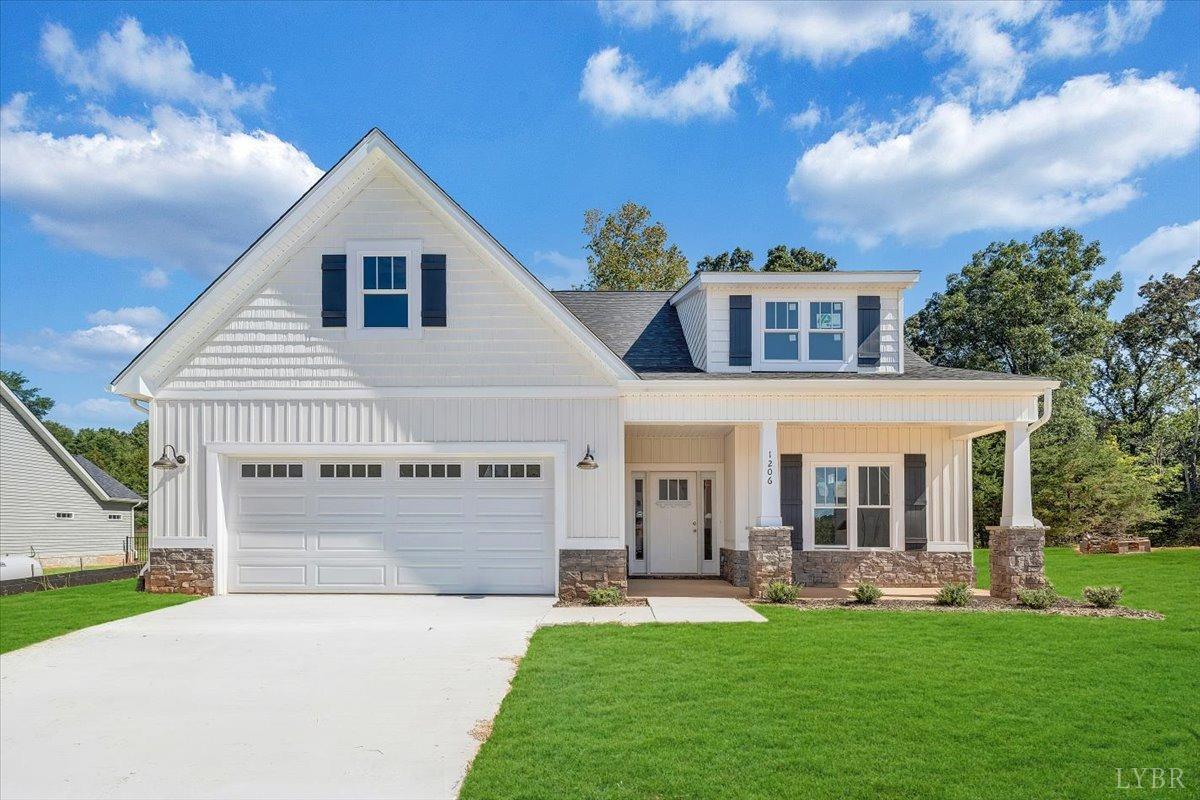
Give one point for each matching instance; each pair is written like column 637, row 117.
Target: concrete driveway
column 257, row 696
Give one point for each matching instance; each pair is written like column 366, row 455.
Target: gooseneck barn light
column 173, row 461
column 588, row 461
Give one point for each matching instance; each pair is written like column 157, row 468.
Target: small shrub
column 953, row 594
column 1037, row 598
column 867, row 593
column 604, row 596
column 781, row 592
column 1102, row 596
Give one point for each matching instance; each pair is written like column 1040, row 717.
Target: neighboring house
column 54, row 506
column 377, row 397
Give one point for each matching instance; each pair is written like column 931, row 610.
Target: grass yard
column 37, row 616
column 839, row 704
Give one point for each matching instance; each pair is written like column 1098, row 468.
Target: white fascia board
column 898, row 279
column 551, row 392
column 54, row 446
column 847, row 386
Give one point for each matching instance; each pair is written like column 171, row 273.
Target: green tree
column 628, row 252
column 737, row 261
column 781, row 258
column 38, row 404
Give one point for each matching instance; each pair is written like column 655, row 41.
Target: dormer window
column 385, row 292
column 826, row 337
column 781, row 340
column 384, row 298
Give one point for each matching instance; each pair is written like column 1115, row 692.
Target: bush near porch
column 882, row 705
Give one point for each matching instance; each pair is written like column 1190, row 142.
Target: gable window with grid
column 385, row 291
column 826, row 331
column 781, row 338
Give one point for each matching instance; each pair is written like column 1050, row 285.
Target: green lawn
column 840, row 704
column 36, row 616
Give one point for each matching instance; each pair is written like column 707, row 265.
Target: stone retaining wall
column 1016, row 560
column 769, row 558
column 735, row 566
column 185, row 570
column 580, row 570
column 1114, row 544
column 881, row 567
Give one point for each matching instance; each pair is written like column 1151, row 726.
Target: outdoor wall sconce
column 173, row 461
column 588, row 461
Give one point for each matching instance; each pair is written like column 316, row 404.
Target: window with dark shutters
column 333, row 291
column 739, row 330
column 915, row 537
column 868, row 330
column 433, row 291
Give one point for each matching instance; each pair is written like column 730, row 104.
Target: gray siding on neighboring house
column 34, row 485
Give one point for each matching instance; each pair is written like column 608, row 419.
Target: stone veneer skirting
column 580, row 570
column 770, row 557
column 735, row 566
column 881, row 567
column 185, row 570
column 1016, row 560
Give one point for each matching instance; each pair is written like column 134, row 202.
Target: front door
column 674, row 548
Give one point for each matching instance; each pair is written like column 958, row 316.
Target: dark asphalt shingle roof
column 643, row 328
column 111, row 486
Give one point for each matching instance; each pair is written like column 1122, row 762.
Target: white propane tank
column 13, row 567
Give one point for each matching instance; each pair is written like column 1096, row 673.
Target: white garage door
column 429, row 525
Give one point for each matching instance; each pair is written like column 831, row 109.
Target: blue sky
column 144, row 145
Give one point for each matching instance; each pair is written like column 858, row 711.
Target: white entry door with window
column 674, row 529
column 427, row 525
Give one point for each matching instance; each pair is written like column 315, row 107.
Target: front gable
column 259, row 326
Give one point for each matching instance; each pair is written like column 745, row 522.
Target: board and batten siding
column 699, row 448
column 593, row 498
column 693, row 318
column 495, row 335
column 34, row 486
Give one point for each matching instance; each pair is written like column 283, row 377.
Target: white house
column 378, row 397
column 54, row 506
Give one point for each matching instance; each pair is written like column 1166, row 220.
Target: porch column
column 769, row 513
column 1017, row 511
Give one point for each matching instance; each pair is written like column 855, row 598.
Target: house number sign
column 770, row 467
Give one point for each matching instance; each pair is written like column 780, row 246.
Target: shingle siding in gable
column 34, row 485
column 693, row 314
column 495, row 334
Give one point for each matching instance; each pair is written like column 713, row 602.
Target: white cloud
column 1103, row 30
column 96, row 412
column 615, row 86
column 158, row 66
column 985, row 37
column 155, row 278
column 1171, row 248
column 177, row 190
column 1056, row 159
column 560, row 271
column 111, row 339
column 805, row 120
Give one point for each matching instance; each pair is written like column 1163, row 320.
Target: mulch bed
column 1064, row 608
column 628, row 601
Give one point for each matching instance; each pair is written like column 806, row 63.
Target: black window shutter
column 333, row 290
column 433, row 291
column 915, row 537
column 791, row 496
column 739, row 330
column 868, row 330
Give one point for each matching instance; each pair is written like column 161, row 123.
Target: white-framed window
column 781, row 330
column 384, row 283
column 431, row 470
column 672, row 489
column 64, row 515
column 114, row 516
column 856, row 502
column 350, row 470
column 272, row 471
column 826, row 330
column 522, row 471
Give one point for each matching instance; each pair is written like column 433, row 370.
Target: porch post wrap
column 770, row 557
column 769, row 513
column 1018, row 491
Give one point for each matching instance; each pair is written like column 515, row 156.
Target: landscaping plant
column 953, row 594
column 867, row 593
column 604, row 596
column 781, row 592
column 1037, row 598
column 1102, row 596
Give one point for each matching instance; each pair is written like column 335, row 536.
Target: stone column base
column 580, row 570
column 770, row 557
column 182, row 570
column 1016, row 559
column 735, row 566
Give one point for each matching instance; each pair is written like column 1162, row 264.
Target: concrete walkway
column 660, row 609
column 260, row 696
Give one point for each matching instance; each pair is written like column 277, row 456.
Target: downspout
column 132, row 522
column 1047, row 397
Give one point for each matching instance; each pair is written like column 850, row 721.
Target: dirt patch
column 1064, row 608
column 482, row 730
column 628, row 601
